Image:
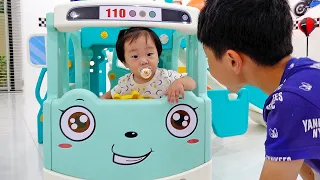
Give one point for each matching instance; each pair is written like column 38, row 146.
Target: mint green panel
column 208, row 127
column 229, row 116
column 256, row 96
column 94, row 36
column 135, row 132
column 47, row 153
column 54, row 85
column 95, row 75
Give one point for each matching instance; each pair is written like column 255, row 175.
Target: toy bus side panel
column 208, row 128
column 47, row 138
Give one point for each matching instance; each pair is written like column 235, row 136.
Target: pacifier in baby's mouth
column 146, row 72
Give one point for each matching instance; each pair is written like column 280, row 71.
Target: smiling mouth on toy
column 128, row 160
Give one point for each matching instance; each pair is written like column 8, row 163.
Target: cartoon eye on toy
column 77, row 123
column 181, row 120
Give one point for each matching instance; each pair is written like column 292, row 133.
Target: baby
column 139, row 49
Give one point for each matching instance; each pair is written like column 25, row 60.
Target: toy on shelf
column 90, row 138
column 307, row 25
column 302, row 6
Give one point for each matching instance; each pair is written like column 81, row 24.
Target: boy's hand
column 174, row 91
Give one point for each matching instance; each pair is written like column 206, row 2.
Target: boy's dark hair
column 132, row 34
column 261, row 29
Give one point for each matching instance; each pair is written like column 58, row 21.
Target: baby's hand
column 174, row 90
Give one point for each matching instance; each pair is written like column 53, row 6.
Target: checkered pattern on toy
column 42, row 22
column 296, row 23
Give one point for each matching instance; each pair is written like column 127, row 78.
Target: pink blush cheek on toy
column 193, row 141
column 65, row 146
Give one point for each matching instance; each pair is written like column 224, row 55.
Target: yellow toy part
column 41, row 118
column 69, row 64
column 182, row 69
column 104, row 34
column 133, row 95
column 112, row 76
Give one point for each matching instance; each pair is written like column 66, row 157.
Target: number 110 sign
column 130, row 13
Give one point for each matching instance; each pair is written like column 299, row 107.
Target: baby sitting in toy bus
column 139, row 49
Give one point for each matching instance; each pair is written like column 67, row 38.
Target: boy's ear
column 235, row 60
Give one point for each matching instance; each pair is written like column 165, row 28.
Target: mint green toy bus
column 86, row 137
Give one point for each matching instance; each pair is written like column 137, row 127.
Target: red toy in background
column 307, row 25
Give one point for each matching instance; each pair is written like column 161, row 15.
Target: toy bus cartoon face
column 135, row 139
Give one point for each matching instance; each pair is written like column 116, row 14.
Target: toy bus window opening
column 89, row 77
column 175, row 59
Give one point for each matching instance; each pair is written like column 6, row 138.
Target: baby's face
column 139, row 54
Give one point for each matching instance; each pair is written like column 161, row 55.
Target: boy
column 248, row 42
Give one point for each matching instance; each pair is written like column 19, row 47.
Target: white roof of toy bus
column 63, row 25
